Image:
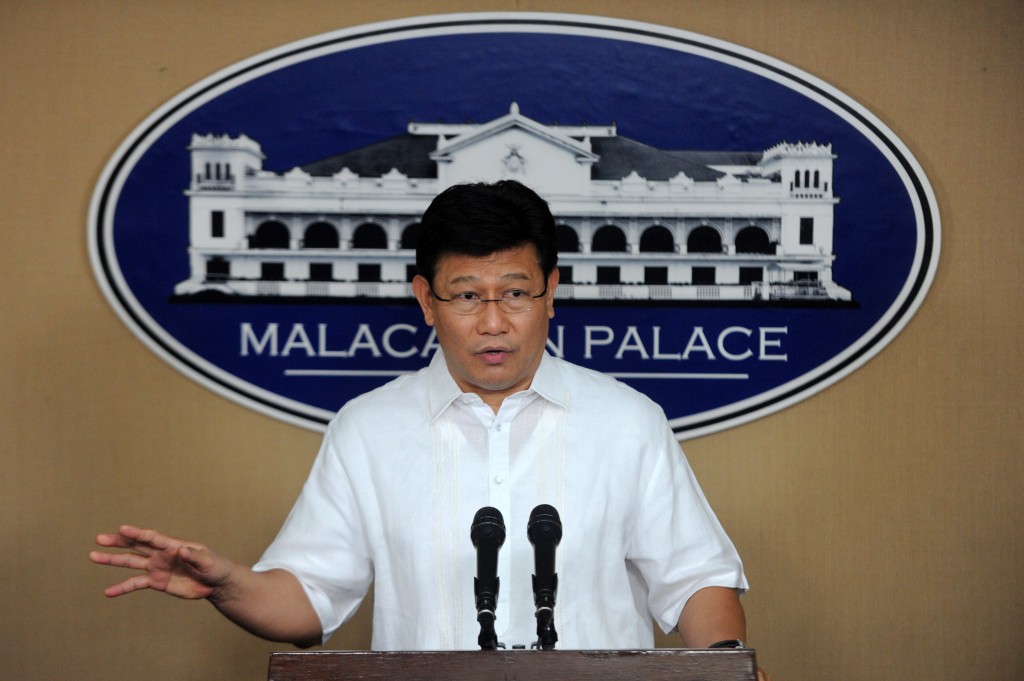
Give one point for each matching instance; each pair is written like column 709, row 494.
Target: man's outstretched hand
column 270, row 604
column 185, row 569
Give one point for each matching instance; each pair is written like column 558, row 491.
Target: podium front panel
column 516, row 665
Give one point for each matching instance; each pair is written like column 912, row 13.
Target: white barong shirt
column 404, row 468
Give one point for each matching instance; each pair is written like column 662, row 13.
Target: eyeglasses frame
column 484, row 301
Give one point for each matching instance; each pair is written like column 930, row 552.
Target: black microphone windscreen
column 544, row 524
column 488, row 527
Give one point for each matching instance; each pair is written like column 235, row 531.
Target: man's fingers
column 125, row 560
column 129, row 585
column 144, row 542
column 100, row 557
column 136, row 536
column 107, row 539
column 126, row 537
column 196, row 557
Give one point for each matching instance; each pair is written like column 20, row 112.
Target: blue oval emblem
column 735, row 235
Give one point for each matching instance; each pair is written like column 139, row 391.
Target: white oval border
column 111, row 281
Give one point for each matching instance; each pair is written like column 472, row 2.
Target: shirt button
column 498, row 428
column 498, row 479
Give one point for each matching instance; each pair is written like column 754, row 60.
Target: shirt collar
column 548, row 381
column 443, row 390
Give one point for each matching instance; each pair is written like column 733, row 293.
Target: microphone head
column 488, row 528
column 544, row 525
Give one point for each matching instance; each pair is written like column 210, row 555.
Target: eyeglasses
column 512, row 301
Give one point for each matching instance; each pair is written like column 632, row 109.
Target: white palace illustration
column 635, row 223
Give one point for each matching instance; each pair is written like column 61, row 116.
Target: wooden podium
column 517, row 665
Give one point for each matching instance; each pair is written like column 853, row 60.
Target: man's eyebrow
column 473, row 279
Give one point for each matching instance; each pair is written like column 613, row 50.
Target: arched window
column 568, row 239
column 609, row 239
column 657, row 239
column 753, row 240
column 410, row 235
column 271, row 234
column 369, row 235
column 704, row 240
column 320, row 235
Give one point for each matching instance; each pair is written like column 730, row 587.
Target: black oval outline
column 911, row 300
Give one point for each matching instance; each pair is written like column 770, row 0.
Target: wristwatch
column 728, row 643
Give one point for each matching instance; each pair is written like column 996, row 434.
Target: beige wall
column 880, row 521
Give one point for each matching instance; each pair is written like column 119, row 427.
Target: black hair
column 481, row 219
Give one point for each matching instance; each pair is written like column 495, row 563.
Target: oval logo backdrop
column 735, row 235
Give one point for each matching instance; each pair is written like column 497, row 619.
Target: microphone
column 487, row 534
column 545, row 531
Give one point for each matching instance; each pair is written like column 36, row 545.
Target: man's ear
column 549, row 299
column 421, row 289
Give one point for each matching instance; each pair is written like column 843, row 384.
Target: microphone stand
column 545, row 601
column 488, row 638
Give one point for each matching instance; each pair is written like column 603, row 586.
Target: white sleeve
column 678, row 544
column 323, row 540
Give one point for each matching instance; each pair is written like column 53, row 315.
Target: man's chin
column 496, row 382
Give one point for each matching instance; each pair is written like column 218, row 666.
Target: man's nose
column 492, row 319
